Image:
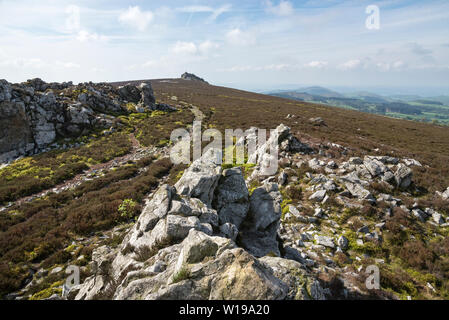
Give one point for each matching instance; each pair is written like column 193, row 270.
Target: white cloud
column 136, row 18
column 239, row 37
column 72, row 22
column 207, row 46
column 68, row 65
column 84, row 36
column 316, row 64
column 284, row 8
column 203, row 48
column 271, row 67
column 182, row 47
column 37, row 63
column 399, row 64
column 25, row 63
column 219, row 11
column 349, row 65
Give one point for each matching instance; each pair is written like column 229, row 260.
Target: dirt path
column 137, row 152
column 95, row 171
column 199, row 115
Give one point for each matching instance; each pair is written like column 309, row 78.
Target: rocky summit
column 35, row 114
column 193, row 77
column 209, row 237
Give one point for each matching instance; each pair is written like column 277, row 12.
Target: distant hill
column 410, row 107
column 319, row 91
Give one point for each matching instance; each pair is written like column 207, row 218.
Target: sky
column 253, row 44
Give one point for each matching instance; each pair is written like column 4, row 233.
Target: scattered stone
column 343, row 242
column 325, row 241
column 403, row 176
column 317, row 121
column 318, row 196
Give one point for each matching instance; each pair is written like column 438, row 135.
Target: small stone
column 318, row 196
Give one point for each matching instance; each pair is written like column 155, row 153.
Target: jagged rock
column 192, row 77
column 197, row 246
column 265, row 206
column 231, row 197
column 317, row 121
column 316, row 164
column 147, row 95
column 228, row 230
column 130, row 93
column 357, row 190
column 282, row 180
column 32, row 116
column 201, row 178
column 343, row 242
column 325, row 241
column 364, row 229
column 355, row 160
column 403, row 176
column 290, row 272
column 16, row 135
column 421, row 215
column 259, row 231
column 280, row 140
column 445, row 194
column 318, row 196
column 412, row 162
column 374, row 166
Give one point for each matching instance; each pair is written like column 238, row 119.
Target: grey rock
column 201, row 178
column 318, row 196
column 325, row 241
column 232, row 197
column 421, row 215
column 228, row 230
column 403, row 176
column 343, row 242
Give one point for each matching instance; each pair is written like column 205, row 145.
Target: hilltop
column 353, row 189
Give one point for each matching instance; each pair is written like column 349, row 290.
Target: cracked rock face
column 182, row 246
column 33, row 116
column 207, row 237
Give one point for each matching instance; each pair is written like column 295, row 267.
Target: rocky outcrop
column 191, row 77
column 182, row 246
column 282, row 141
column 259, row 233
column 34, row 114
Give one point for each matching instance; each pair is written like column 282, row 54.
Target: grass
column 33, row 174
column 181, row 275
column 46, row 225
column 361, row 132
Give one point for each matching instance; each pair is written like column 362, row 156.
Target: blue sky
column 258, row 44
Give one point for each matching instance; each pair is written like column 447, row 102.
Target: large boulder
column 201, row 178
column 147, row 95
column 130, row 93
column 16, row 136
column 266, row 155
column 231, row 197
column 259, row 231
column 403, row 176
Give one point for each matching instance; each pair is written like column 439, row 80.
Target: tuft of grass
column 182, row 274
